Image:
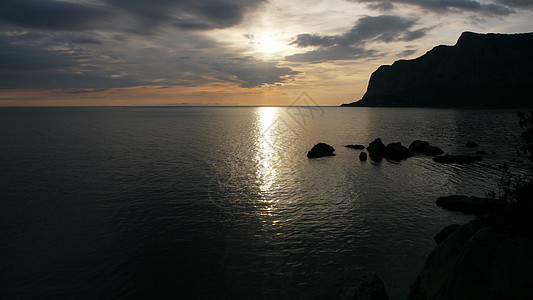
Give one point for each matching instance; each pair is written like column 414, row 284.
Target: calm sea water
column 223, row 202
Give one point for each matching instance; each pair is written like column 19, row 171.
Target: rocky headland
column 480, row 70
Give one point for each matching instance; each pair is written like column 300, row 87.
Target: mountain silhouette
column 480, row 70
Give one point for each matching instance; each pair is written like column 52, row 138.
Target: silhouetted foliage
column 517, row 190
column 526, row 122
column 514, row 189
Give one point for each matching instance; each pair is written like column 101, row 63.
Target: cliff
column 480, row 70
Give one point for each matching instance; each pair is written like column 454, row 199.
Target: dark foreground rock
column 320, row 150
column 469, row 204
column 457, row 159
column 445, row 232
column 471, row 145
column 479, row 260
column 368, row 286
column 357, row 147
column 481, row 152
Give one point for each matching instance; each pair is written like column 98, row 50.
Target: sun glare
column 268, row 44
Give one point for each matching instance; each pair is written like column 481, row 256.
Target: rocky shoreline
column 490, row 257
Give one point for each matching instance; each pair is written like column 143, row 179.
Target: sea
column 222, row 202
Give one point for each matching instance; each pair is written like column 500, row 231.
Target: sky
column 224, row 52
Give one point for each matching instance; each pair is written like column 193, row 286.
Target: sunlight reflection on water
column 266, row 157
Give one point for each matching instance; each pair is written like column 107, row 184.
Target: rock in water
column 362, row 156
column 320, row 150
column 471, row 145
column 357, row 147
column 425, row 148
column 470, row 205
column 396, row 151
column 376, row 148
column 418, row 145
column 457, row 159
column 431, row 151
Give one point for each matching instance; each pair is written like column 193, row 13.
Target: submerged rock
column 468, row 204
column 479, row 260
column 357, row 147
column 457, row 159
column 320, row 150
column 362, row 156
column 376, row 148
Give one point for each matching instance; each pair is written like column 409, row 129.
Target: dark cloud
column 407, row 52
column 381, row 6
column 47, row 14
column 517, row 3
column 249, row 72
column 414, row 35
column 67, row 61
column 351, row 44
column 30, row 58
column 312, row 40
column 333, row 53
column 117, row 15
column 186, row 14
column 81, row 40
column 446, row 6
column 384, row 28
column 30, row 66
column 78, row 45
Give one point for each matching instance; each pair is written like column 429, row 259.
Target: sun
column 268, row 43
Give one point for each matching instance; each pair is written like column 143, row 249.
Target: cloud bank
column 501, row 8
column 95, row 45
column 350, row 45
